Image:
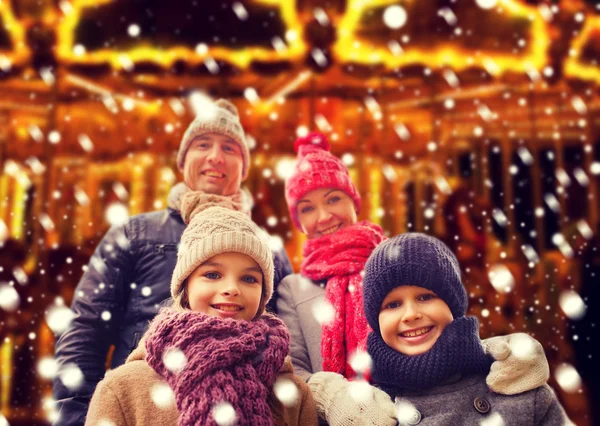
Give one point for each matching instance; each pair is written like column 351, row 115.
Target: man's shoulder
column 163, row 226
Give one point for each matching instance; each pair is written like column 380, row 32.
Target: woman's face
column 228, row 285
column 324, row 211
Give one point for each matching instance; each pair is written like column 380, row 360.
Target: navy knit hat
column 412, row 259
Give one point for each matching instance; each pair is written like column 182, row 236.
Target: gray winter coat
column 298, row 297
column 469, row 402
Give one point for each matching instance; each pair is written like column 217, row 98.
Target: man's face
column 213, row 164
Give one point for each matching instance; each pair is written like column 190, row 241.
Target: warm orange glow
column 350, row 49
column 242, row 58
column 20, row 54
column 573, row 66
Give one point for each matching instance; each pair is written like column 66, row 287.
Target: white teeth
column 416, row 332
column 330, row 230
column 213, row 174
column 227, row 308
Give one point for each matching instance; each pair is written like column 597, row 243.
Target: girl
column 215, row 352
column 426, row 353
column 324, row 203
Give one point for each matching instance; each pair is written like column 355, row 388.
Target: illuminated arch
column 20, row 53
column 574, row 65
column 242, row 58
column 349, row 48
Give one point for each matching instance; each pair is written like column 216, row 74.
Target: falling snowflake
column 361, row 362
column 162, row 395
column 224, row 414
column 71, row 376
column 494, row 419
column 360, row 391
column 572, row 305
column 117, row 214
column 251, row 95
column 323, row 312
column 47, row 368
column 501, row 278
column 58, row 318
column 175, row 360
column 395, row 17
column 567, row 378
column 286, row 391
column 9, row 298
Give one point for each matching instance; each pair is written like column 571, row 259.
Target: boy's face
column 228, row 285
column 412, row 318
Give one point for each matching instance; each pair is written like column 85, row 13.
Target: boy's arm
column 86, row 341
column 520, row 364
column 547, row 409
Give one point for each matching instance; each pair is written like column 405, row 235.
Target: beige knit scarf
column 189, row 203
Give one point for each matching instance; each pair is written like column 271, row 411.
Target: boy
column 427, row 355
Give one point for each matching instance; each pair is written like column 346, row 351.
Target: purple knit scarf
column 227, row 361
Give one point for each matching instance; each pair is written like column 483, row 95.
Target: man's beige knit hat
column 221, row 117
column 219, row 230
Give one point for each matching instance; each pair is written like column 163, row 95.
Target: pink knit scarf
column 340, row 259
column 229, row 361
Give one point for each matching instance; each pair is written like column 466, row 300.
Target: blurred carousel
column 475, row 121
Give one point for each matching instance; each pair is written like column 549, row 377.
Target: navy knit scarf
column 458, row 350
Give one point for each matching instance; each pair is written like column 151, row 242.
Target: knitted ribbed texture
column 219, row 230
column 458, row 350
column 227, row 361
column 340, row 258
column 413, row 259
column 316, row 168
column 220, row 117
column 188, row 203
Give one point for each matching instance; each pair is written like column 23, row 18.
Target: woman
column 324, row 203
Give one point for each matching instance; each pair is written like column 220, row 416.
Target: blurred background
column 477, row 121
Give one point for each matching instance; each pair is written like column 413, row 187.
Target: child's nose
column 230, row 288
column 411, row 312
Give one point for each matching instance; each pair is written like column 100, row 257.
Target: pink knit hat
column 316, row 168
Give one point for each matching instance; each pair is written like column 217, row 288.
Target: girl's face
column 411, row 319
column 324, row 211
column 228, row 285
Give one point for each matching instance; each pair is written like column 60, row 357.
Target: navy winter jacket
column 128, row 277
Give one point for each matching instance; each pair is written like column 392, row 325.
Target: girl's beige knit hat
column 219, row 230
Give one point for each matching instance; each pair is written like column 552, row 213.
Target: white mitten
column 344, row 403
column 520, row 364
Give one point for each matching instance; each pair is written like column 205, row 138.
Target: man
column 130, row 272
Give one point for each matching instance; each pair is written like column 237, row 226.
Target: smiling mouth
column 211, row 173
column 331, row 230
column 228, row 308
column 415, row 333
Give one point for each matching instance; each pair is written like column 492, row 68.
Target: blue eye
column 212, row 275
column 392, row 305
column 306, row 209
column 249, row 279
column 333, row 199
column 426, row 297
column 227, row 148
